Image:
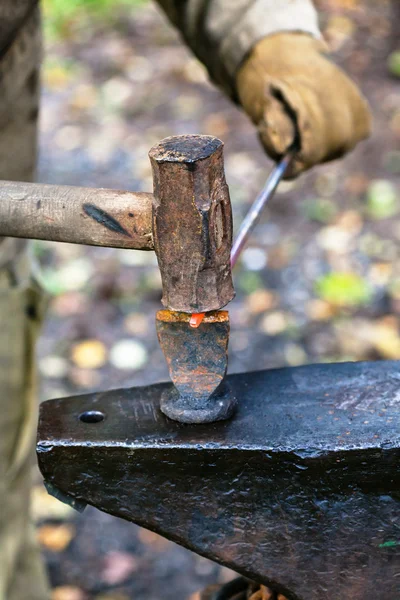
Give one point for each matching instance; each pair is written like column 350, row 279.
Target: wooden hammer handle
column 97, row 217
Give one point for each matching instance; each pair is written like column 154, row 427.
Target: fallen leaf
column 262, row 594
column 137, row 324
column 350, row 220
column 381, row 336
column 260, row 301
column 86, row 378
column 90, row 354
column 53, row 366
column 67, row 592
column 83, row 97
column 118, row 566
column 334, row 239
column 295, row 355
column 55, row 537
column 44, row 506
column 380, row 273
column 56, row 77
column 274, row 323
column 382, row 201
column 320, row 310
column 128, row 355
column 266, row 593
column 386, row 340
column 343, row 289
column 394, row 63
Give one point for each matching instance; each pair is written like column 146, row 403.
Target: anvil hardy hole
column 92, row 416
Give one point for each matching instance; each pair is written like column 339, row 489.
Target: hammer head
column 192, row 223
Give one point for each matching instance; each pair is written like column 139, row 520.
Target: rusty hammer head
column 192, row 223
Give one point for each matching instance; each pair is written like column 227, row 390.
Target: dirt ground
column 320, row 280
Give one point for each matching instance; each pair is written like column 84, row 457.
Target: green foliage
column 382, row 201
column 343, row 289
column 63, row 16
column 394, row 63
column 319, row 209
column 249, row 281
column 389, row 544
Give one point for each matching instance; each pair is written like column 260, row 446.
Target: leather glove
column 294, row 94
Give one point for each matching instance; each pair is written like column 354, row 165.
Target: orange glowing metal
column 196, row 319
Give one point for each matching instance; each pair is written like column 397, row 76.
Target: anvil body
column 300, row 490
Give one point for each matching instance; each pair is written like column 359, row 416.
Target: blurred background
column 319, row 281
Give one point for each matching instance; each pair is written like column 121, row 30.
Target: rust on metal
column 97, row 217
column 197, row 361
column 169, row 316
column 192, row 223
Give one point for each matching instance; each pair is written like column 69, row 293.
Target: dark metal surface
column 61, row 213
column 197, row 361
column 300, row 490
column 192, row 223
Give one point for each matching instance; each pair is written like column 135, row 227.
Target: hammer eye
column 219, row 225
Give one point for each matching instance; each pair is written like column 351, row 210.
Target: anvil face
column 300, row 490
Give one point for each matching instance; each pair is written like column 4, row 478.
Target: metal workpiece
column 197, row 361
column 300, row 490
column 97, row 217
column 192, row 223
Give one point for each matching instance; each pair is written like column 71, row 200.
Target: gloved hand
column 293, row 92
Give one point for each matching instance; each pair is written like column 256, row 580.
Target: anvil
column 299, row 490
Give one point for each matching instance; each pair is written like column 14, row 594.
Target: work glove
column 294, row 94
